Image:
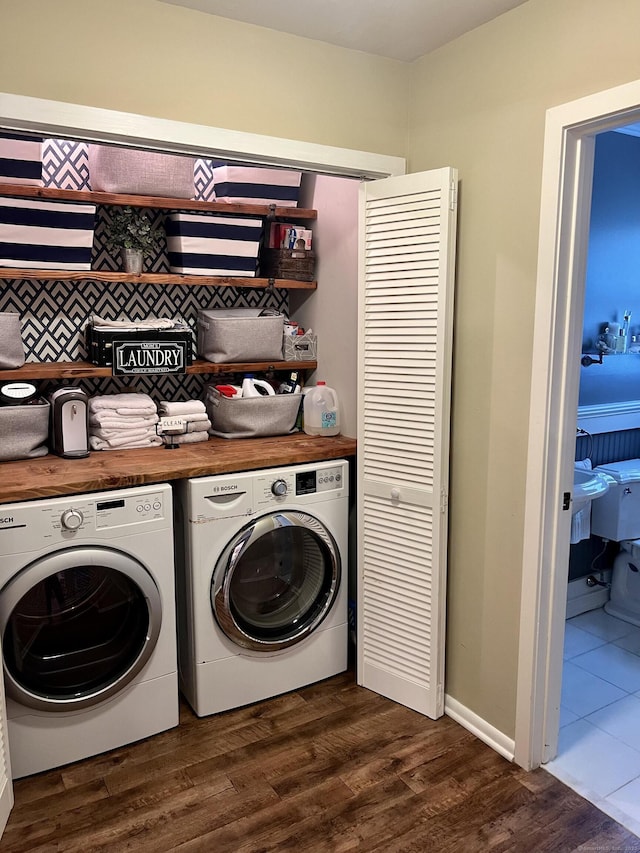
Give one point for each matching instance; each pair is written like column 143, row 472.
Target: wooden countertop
column 51, row 475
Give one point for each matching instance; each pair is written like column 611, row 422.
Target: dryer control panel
column 28, row 526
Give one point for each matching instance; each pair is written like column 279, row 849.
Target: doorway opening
column 570, row 134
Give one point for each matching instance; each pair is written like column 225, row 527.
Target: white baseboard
column 483, row 730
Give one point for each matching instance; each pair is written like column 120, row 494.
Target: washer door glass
column 76, row 627
column 276, row 581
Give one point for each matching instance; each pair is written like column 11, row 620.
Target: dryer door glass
column 79, row 632
column 276, row 581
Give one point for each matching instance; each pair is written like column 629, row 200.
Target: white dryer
column 262, row 583
column 87, row 619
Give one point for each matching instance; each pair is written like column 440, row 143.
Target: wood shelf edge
column 158, row 202
column 85, row 370
column 15, row 273
column 50, row 475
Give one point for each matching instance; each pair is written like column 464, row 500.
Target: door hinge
column 453, row 195
column 444, row 500
column 566, row 501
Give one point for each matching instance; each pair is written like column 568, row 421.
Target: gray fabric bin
column 240, row 335
column 11, row 346
column 24, row 430
column 251, row 417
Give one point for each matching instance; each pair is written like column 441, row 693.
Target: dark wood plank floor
column 332, row 767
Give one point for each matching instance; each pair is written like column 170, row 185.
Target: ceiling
column 398, row 29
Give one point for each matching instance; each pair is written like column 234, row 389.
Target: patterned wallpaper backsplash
column 55, row 313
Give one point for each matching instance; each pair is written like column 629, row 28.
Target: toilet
column 616, row 516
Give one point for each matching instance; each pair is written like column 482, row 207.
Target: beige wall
column 149, row 58
column 479, row 104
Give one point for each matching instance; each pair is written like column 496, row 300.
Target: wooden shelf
column 157, row 202
column 85, row 370
column 295, row 213
column 51, row 475
column 9, row 273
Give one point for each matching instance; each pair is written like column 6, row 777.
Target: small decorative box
column 36, row 234
column 300, row 347
column 20, row 159
column 296, row 264
column 213, row 245
column 255, row 185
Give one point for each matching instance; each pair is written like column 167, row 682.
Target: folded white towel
column 120, row 437
column 127, row 404
column 149, row 323
column 100, row 444
column 107, row 419
column 187, row 438
column 196, row 417
column 199, row 426
column 181, row 408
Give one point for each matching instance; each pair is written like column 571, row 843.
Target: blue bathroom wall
column 613, row 268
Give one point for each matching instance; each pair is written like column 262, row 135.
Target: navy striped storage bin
column 36, row 234
column 20, row 159
column 213, row 245
column 256, row 185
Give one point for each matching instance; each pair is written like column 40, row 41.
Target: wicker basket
column 296, row 264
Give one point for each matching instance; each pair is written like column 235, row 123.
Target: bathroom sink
column 587, row 486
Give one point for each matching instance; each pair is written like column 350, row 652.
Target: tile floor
column 599, row 742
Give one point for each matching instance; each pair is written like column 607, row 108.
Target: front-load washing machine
column 87, row 621
column 262, row 583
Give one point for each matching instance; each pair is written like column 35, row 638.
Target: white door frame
column 564, row 216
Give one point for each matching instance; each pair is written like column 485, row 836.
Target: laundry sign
column 143, row 357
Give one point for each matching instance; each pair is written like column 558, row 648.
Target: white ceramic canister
column 321, row 412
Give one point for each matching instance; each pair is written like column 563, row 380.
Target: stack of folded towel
column 122, row 421
column 194, row 413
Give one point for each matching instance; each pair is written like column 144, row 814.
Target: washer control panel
column 284, row 485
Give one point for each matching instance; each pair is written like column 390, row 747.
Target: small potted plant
column 131, row 231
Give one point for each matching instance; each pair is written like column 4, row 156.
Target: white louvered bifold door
column 6, row 787
column 407, row 248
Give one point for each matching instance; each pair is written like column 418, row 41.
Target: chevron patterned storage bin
column 255, row 185
column 20, row 159
column 36, row 234
column 213, row 245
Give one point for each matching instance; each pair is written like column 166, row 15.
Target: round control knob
column 71, row 519
column 279, row 488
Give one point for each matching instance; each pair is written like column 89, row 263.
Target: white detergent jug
column 256, row 387
column 321, row 414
